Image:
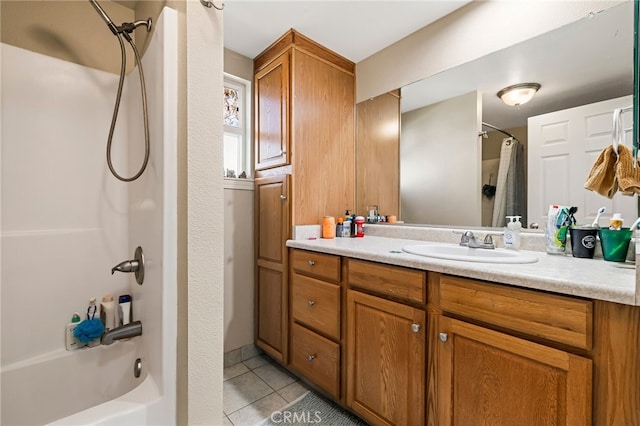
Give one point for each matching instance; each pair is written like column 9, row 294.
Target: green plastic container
column 615, row 243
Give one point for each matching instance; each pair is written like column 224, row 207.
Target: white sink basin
column 453, row 252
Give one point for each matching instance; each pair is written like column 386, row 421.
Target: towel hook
column 209, row 4
column 618, row 131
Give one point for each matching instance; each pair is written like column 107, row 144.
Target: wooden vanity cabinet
column 304, row 100
column 490, row 377
column 316, row 319
column 386, row 352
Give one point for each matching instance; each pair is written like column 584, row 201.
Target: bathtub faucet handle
column 135, row 265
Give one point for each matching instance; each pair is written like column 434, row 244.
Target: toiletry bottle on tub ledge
column 108, row 312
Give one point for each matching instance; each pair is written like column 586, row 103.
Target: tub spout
column 126, row 266
column 123, row 332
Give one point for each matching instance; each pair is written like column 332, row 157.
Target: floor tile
column 232, row 357
column 226, row 421
column 243, row 390
column 293, row 391
column 235, row 370
column 274, row 375
column 257, row 411
column 250, row 351
column 257, row 361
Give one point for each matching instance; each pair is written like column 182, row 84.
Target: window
column 237, row 152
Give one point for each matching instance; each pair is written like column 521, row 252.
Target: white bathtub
column 51, row 387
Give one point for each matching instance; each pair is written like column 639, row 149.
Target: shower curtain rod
column 499, row 130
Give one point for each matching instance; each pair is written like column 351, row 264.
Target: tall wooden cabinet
column 304, row 130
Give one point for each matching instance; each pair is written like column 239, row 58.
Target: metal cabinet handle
column 311, row 263
column 310, row 303
column 443, row 337
column 415, row 328
column 310, row 358
column 283, row 197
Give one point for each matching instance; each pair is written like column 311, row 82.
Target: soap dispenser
column 512, row 232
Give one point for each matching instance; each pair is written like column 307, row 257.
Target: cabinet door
column 272, row 230
column 386, row 360
column 490, row 378
column 272, row 114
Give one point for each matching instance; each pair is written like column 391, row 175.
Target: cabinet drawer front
column 319, row 265
column 316, row 304
column 552, row 317
column 403, row 283
column 317, row 358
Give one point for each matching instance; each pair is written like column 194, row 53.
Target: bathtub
column 52, row 387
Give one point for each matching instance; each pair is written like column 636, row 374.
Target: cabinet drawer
column 316, row 304
column 319, row 265
column 387, row 280
column 317, row 358
column 557, row 318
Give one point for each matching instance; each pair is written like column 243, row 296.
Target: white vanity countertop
column 590, row 278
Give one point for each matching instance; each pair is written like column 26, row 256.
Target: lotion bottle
column 517, row 227
column 512, row 232
column 124, row 309
column 71, row 342
column 108, row 312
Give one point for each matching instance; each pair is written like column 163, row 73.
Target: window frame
column 245, row 88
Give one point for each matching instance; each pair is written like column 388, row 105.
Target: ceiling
column 353, row 29
column 587, row 61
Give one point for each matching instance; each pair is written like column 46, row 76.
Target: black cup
column 583, row 241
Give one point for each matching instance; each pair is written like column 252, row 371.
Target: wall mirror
column 585, row 62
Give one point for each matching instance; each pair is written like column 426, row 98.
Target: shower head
column 105, row 17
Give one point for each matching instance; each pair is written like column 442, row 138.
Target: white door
column 563, row 145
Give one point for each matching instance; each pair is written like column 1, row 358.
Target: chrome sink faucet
column 468, row 239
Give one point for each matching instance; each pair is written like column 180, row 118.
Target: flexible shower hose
column 117, row 107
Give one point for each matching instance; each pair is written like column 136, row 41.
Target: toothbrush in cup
column 595, row 221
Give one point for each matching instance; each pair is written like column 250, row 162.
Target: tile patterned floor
column 255, row 388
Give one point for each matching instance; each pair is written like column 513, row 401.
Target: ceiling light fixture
column 518, row 94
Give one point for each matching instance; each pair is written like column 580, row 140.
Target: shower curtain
column 510, row 199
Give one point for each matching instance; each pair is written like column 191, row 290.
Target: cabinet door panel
column 490, row 378
column 272, row 218
column 272, row 225
column 386, row 360
column 270, row 308
column 272, row 114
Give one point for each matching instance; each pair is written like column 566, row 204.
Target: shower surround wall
column 66, row 221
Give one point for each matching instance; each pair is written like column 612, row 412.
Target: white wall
column 64, row 218
column 441, row 161
column 239, row 239
column 473, row 31
column 205, row 228
column 239, row 264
